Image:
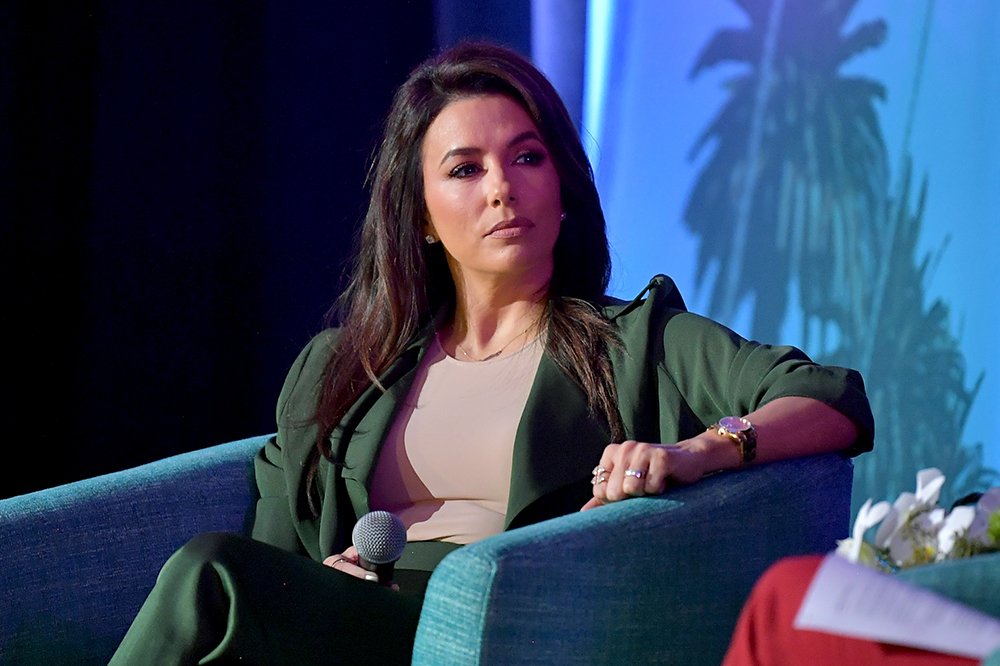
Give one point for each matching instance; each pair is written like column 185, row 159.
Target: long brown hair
column 397, row 283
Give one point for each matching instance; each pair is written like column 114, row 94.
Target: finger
column 599, row 483
column 592, row 503
column 625, row 457
column 607, row 461
column 634, row 478
column 344, row 565
column 660, row 465
column 602, row 472
column 348, row 567
column 332, row 560
column 350, row 554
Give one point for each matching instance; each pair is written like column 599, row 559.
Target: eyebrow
column 520, row 138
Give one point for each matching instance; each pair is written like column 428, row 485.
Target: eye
column 464, row 170
column 531, row 157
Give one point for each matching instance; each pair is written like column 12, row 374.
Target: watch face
column 733, row 424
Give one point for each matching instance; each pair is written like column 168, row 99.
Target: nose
column 499, row 188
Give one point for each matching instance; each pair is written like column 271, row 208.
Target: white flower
column 915, row 530
column 868, row 517
column 895, row 519
column 894, row 532
column 929, row 482
column 956, row 524
column 906, row 550
column 858, row 552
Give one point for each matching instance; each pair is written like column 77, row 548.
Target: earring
column 562, row 217
column 430, row 240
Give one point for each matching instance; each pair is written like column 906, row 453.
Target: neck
column 494, row 319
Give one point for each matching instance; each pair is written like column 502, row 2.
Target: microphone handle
column 385, row 571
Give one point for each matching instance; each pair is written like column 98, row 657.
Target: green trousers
column 227, row 599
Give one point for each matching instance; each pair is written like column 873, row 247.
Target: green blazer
column 676, row 373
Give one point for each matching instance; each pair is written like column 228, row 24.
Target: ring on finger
column 637, row 473
column 599, row 479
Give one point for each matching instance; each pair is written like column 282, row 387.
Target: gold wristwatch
column 743, row 434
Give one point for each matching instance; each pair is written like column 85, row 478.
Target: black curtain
column 179, row 186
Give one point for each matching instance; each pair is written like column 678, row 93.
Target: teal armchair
column 651, row 580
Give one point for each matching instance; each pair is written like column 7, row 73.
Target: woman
column 480, row 380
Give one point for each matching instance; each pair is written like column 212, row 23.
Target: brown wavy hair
column 397, row 283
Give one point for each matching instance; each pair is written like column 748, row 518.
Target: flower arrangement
column 914, row 530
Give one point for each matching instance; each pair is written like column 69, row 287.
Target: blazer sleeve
column 719, row 372
column 277, row 485
column 273, row 522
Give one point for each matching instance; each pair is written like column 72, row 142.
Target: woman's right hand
column 347, row 562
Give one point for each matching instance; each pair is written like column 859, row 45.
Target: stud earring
column 562, row 217
column 430, row 240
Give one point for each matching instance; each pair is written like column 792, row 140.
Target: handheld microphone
column 379, row 537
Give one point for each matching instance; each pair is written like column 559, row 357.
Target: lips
column 509, row 228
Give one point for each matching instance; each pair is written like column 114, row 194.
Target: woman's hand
column 347, row 562
column 634, row 469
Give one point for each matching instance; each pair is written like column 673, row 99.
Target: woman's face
column 491, row 191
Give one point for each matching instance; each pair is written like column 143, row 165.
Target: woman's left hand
column 634, row 469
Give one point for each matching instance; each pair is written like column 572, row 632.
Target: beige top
column 445, row 466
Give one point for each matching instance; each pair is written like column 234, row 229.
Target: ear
column 428, row 227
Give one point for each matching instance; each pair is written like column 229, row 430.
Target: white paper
column 858, row 601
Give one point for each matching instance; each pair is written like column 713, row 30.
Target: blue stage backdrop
column 824, row 175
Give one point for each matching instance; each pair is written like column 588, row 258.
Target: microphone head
column 380, row 537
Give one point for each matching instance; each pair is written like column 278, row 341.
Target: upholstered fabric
column 649, row 580
column 79, row 559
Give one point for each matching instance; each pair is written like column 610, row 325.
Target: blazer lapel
column 357, row 442
column 371, row 431
column 557, row 444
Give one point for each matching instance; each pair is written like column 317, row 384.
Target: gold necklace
column 497, row 352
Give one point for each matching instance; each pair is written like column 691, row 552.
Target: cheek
column 547, row 189
column 435, row 204
column 449, row 211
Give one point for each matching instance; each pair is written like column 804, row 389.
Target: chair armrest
column 79, row 559
column 649, row 580
column 973, row 581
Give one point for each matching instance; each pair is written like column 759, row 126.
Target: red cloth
column 764, row 635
